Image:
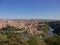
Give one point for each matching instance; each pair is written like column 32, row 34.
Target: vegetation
column 44, row 27
column 53, row 40
column 12, row 28
column 8, row 38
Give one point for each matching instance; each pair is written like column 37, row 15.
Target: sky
column 30, row 9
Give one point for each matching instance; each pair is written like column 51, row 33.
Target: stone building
column 30, row 25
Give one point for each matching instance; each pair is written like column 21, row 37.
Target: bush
column 12, row 28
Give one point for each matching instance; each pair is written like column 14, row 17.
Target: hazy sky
column 30, row 9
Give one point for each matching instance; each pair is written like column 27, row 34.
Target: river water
column 50, row 32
